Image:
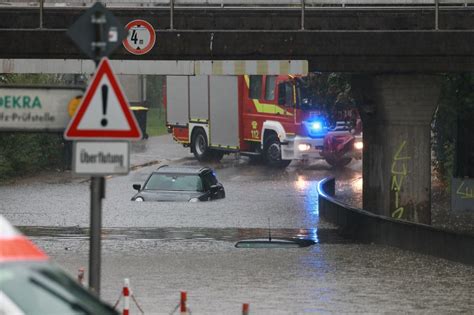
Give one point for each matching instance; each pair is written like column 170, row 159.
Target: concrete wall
column 370, row 228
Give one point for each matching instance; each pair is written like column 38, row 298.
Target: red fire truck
column 269, row 118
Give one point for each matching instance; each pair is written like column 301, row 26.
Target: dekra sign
column 10, row 101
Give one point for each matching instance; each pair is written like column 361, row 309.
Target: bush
column 25, row 153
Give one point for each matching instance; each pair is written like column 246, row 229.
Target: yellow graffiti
column 265, row 107
column 397, row 182
column 468, row 192
column 399, row 171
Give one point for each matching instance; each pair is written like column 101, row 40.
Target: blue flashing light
column 316, row 125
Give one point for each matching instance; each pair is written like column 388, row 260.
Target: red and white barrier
column 126, row 293
column 80, row 275
column 182, row 303
column 245, row 309
column 126, row 297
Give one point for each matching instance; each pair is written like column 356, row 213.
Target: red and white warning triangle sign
column 104, row 112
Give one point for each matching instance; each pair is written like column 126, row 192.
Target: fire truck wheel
column 338, row 162
column 199, row 146
column 272, row 152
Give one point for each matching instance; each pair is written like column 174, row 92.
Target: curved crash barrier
column 367, row 227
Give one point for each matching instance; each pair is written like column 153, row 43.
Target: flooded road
column 332, row 276
column 167, row 247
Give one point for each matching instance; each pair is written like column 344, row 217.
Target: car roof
column 182, row 169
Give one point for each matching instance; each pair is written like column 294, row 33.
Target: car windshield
column 180, row 182
column 44, row 289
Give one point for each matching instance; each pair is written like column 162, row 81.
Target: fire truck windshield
column 305, row 100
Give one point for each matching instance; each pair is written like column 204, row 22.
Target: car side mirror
column 137, row 186
column 214, row 188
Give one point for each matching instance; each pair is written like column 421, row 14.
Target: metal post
column 171, row 14
column 99, row 21
column 41, row 13
column 97, row 183
column 97, row 193
column 302, row 14
column 436, row 14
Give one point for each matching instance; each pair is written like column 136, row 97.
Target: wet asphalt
column 167, row 247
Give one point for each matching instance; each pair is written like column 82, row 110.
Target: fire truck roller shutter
column 224, row 112
column 199, row 98
column 177, row 92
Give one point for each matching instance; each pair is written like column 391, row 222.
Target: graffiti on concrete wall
column 399, row 172
column 464, row 191
column 462, row 195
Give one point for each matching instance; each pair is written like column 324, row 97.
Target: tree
column 457, row 100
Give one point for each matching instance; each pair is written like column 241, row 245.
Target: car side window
column 270, row 87
column 255, row 88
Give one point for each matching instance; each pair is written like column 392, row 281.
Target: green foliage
column 156, row 122
column 331, row 89
column 25, row 153
column 32, row 79
column 457, row 100
column 156, row 118
column 154, row 91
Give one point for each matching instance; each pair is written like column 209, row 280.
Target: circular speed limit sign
column 141, row 37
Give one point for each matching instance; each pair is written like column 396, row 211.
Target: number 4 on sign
column 134, row 37
column 104, row 112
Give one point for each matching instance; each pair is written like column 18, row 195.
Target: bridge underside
column 337, row 51
column 350, row 39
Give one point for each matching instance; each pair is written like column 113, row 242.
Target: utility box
column 141, row 114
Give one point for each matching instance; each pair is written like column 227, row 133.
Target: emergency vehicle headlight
column 358, row 145
column 304, row 147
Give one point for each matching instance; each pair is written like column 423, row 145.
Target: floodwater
column 332, row 276
column 164, row 248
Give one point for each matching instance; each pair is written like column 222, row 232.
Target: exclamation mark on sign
column 105, row 92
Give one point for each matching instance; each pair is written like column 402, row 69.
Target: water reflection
column 311, row 234
column 308, row 188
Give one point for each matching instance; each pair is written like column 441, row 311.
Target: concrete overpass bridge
column 359, row 36
column 394, row 50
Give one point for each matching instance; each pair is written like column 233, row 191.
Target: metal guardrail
column 301, row 5
column 239, row 3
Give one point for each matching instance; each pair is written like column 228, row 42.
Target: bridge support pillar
column 396, row 111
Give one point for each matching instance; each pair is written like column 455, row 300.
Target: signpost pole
column 97, row 183
column 97, row 193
